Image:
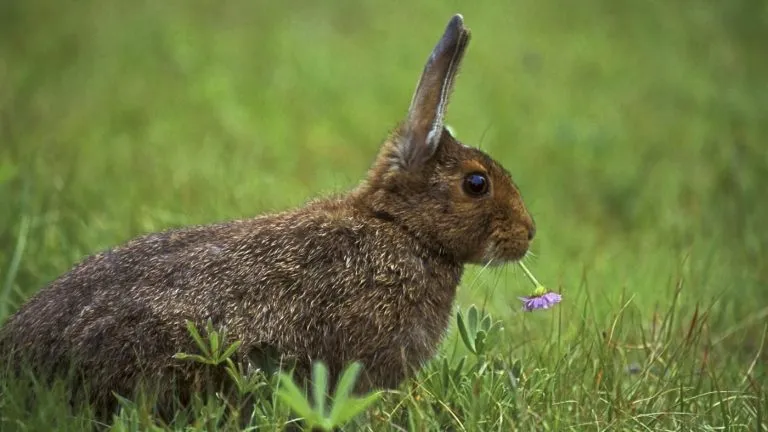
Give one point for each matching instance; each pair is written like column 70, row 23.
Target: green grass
column 636, row 130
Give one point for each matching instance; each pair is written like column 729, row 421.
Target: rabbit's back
column 326, row 282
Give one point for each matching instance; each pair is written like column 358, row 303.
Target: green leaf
column 345, row 407
column 124, row 402
column 457, row 372
column 485, row 324
column 469, row 343
column 290, row 394
column 319, row 386
column 193, row 357
column 231, row 350
column 354, row 407
column 192, row 329
column 445, row 374
column 344, row 388
column 480, row 342
column 347, row 381
column 213, row 337
column 236, row 378
column 472, row 320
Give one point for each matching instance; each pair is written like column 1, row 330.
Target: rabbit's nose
column 531, row 232
column 531, row 225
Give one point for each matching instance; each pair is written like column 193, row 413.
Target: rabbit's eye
column 476, row 184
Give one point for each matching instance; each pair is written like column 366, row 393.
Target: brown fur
column 368, row 276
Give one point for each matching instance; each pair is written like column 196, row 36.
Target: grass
column 636, row 131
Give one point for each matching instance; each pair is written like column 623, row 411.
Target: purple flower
column 540, row 301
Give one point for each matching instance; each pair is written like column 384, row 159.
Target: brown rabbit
column 370, row 275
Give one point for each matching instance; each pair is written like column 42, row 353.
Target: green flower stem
column 530, row 275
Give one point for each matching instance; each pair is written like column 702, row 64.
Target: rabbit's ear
column 424, row 125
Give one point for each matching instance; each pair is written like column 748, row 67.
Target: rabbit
column 370, row 275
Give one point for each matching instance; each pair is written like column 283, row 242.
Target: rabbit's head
column 456, row 199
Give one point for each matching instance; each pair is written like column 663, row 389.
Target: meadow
column 636, row 131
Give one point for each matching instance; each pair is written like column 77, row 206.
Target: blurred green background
column 636, row 130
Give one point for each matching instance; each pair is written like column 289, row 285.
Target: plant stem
column 530, row 275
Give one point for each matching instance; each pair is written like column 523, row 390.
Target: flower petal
column 544, row 301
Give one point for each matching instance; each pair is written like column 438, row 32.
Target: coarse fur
column 370, row 275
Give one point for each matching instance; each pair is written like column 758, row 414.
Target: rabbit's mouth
column 496, row 254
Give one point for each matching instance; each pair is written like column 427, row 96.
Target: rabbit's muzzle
column 509, row 244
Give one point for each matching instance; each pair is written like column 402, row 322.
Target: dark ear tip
column 455, row 34
column 456, row 26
